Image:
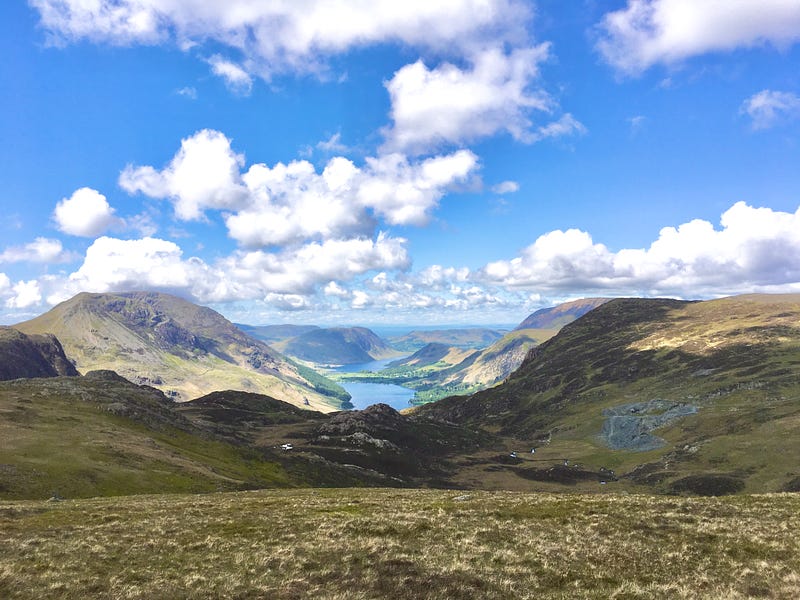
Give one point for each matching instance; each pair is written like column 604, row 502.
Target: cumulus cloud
column 405, row 192
column 301, row 270
column 437, row 276
column 86, row 213
column 290, row 203
column 41, row 250
column 25, row 294
column 334, row 289
column 113, row 264
column 647, row 32
column 236, row 78
column 287, row 302
column 768, row 108
column 755, row 249
column 453, row 105
column 203, row 174
column 285, row 36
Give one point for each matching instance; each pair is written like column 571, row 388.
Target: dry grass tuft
column 422, row 544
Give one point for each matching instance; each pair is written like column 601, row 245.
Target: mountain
column 337, row 346
column 25, row 356
column 181, row 348
column 460, row 338
column 275, row 333
column 433, row 354
column 557, row 316
column 490, row 366
column 637, row 395
column 102, row 435
column 99, row 434
column 698, row 397
column 498, row 361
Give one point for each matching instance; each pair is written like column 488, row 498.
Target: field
column 379, row 543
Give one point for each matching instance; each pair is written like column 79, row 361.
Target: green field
column 420, row 544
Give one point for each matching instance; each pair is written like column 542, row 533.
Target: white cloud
column 113, row 264
column 361, row 300
column 300, row 271
column 404, row 193
column 25, row 294
column 287, row 302
column 86, row 213
column 333, row 144
column 756, row 249
column 336, row 290
column 41, row 250
column 768, row 108
column 437, row 276
column 292, row 203
column 451, row 105
column 203, row 174
column 564, row 126
column 647, row 32
column 5, row 283
column 236, row 78
column 285, row 36
column 505, row 187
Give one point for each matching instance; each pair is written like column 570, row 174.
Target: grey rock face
column 629, row 426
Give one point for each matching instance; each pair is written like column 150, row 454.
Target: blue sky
column 366, row 162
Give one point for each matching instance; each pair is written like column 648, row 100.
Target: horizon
column 462, row 164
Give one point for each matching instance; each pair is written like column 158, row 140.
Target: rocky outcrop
column 29, row 356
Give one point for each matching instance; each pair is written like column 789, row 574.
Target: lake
column 367, row 394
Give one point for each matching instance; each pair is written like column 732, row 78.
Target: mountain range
column 675, row 396
column 337, row 346
column 470, row 337
column 182, row 349
column 636, row 395
column 438, row 370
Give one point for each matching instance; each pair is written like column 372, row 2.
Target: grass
column 421, row 544
column 58, row 435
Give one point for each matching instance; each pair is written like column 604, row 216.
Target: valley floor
column 381, row 543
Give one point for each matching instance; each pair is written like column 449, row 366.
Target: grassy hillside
column 483, row 369
column 401, row 544
column 181, row 348
column 556, row 317
column 701, row 397
column 101, row 435
column 474, row 337
column 337, row 346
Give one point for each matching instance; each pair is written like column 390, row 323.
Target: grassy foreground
column 368, row 543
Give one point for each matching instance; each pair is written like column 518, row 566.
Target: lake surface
column 367, row 394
